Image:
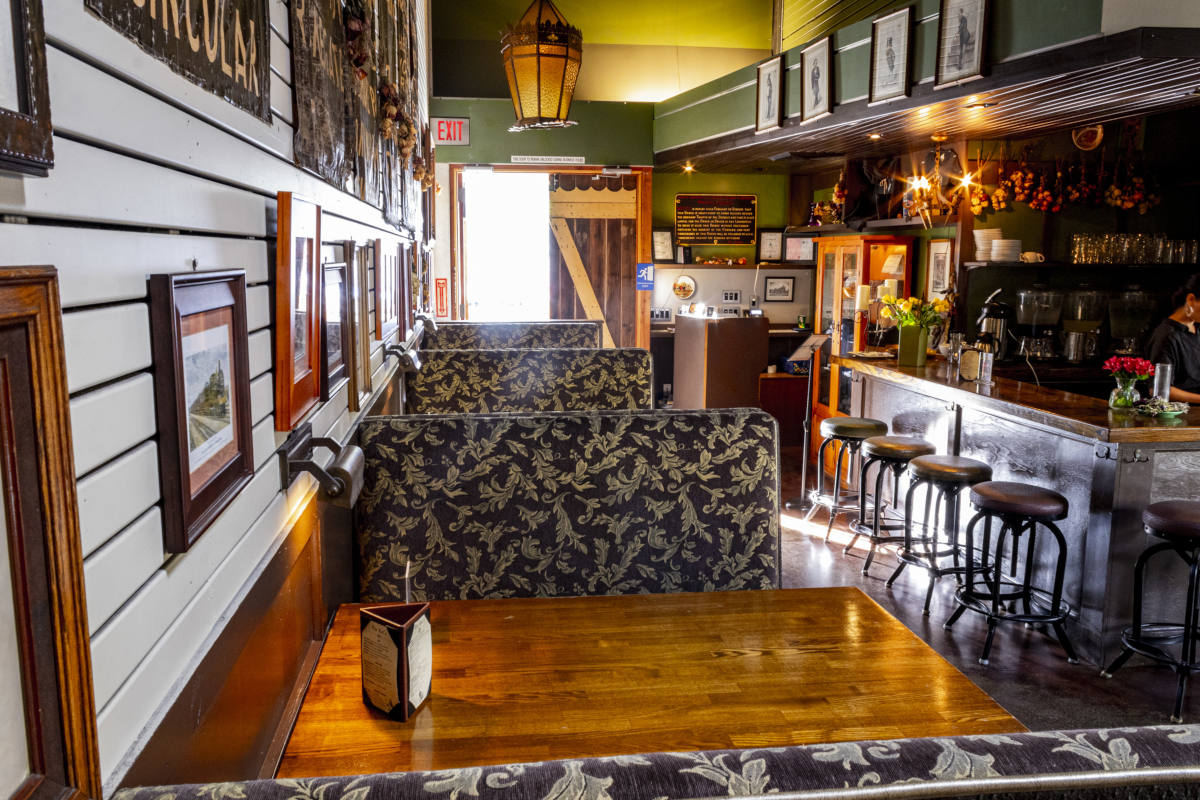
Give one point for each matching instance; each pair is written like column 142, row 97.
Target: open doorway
column 506, row 247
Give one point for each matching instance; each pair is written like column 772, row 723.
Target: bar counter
column 1109, row 465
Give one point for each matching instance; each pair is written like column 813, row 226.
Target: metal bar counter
column 1109, row 465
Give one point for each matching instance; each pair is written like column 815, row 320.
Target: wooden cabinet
column 785, row 398
column 718, row 361
column 843, row 264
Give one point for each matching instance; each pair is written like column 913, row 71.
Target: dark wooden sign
column 320, row 74
column 715, row 218
column 221, row 45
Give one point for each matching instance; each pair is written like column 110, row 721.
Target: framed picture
column 816, row 65
column 335, row 332
column 768, row 109
column 359, row 258
column 297, row 310
column 387, row 289
column 25, row 135
column 779, row 288
column 891, row 40
column 939, row 268
column 799, row 249
column 202, row 398
column 770, row 245
column 663, row 240
column 962, row 28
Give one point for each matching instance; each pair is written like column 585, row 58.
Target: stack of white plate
column 984, row 239
column 1006, row 250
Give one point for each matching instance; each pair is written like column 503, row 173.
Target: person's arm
column 1182, row 395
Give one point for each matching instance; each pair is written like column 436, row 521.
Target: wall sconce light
column 542, row 54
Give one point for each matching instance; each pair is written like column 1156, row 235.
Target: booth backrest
column 567, row 504
column 557, row 379
column 484, row 335
column 1115, row 764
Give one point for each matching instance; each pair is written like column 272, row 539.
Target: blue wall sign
column 645, row 277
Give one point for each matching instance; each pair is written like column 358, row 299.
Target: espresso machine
column 1038, row 313
column 994, row 320
column 1082, row 315
column 1129, row 314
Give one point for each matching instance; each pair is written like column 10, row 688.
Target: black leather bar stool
column 1177, row 523
column 848, row 434
column 1022, row 509
column 886, row 454
column 948, row 476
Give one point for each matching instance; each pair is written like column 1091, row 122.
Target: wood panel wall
column 608, row 248
column 154, row 174
column 802, row 21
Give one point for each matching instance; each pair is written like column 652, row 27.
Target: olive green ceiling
column 744, row 24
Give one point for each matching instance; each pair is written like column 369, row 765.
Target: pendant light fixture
column 542, row 54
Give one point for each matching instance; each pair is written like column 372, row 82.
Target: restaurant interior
column 605, row 400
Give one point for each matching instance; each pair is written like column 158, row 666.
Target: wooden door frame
column 642, row 227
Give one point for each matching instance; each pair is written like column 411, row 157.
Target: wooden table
column 537, row 679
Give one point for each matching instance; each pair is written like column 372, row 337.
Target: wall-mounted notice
column 221, row 45
column 319, row 75
column 548, row 160
column 715, row 218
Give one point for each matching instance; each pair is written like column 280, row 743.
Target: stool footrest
column 1039, row 602
column 1154, row 634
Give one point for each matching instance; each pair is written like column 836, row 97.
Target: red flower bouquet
column 1127, row 371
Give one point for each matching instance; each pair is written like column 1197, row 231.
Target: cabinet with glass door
column 843, row 264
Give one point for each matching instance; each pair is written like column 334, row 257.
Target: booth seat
column 568, row 504
column 484, row 335
column 545, row 379
column 1115, row 764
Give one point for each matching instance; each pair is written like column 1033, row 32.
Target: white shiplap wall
column 167, row 178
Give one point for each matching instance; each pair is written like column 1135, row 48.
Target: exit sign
column 451, row 130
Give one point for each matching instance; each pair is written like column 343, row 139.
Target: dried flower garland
column 358, row 39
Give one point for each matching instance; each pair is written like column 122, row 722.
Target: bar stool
column 887, row 454
column 1177, row 523
column 848, row 433
column 1021, row 509
column 948, row 476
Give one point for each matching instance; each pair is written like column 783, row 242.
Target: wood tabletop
column 1073, row 413
column 537, row 679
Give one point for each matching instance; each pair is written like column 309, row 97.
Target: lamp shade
column 542, row 54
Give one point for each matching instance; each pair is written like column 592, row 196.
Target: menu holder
column 397, row 657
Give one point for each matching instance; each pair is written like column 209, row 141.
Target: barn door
column 593, row 252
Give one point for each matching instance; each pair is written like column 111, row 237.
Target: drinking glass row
column 1132, row 248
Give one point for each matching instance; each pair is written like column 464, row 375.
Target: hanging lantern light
column 542, row 54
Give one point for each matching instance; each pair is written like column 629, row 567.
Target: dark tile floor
column 1027, row 674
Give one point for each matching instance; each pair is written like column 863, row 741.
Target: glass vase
column 1125, row 396
column 914, row 341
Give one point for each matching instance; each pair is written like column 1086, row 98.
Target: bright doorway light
column 506, row 243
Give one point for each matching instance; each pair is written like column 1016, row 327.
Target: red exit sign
column 451, row 130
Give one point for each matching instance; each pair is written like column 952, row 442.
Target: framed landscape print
column 939, row 268
column 962, row 28
column 891, row 37
column 202, row 398
column 768, row 109
column 25, row 133
column 297, row 310
column 335, row 337
column 779, row 288
column 359, row 258
column 663, row 240
column 387, row 289
column 770, row 245
column 816, row 67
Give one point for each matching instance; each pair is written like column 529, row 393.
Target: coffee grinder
column 994, row 320
column 1038, row 314
column 1082, row 315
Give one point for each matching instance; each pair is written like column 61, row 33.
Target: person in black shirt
column 1176, row 341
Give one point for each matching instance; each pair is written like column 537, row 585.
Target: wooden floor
column 528, row 680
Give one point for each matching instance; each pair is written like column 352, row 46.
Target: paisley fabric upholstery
column 484, row 335
column 568, row 504
column 576, row 379
column 1086, row 765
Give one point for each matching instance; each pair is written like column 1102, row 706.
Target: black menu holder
column 397, row 657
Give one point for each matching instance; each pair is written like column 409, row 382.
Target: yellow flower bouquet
column 914, row 311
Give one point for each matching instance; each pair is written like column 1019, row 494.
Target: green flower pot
column 914, row 341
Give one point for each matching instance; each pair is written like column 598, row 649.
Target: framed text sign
column 715, row 218
column 25, row 134
column 319, row 74
column 221, row 45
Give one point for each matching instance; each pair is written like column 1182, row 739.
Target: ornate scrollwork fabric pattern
column 560, row 379
column 486, row 335
column 566, row 504
column 1087, row 765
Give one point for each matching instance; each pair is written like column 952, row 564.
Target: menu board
column 715, row 218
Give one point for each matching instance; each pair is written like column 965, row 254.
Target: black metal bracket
column 427, row 320
column 298, row 450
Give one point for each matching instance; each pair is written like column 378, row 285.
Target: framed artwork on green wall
column 768, row 108
column 816, row 66
column 962, row 31
column 891, row 37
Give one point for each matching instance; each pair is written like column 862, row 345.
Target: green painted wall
column 607, row 134
column 771, row 190
column 727, row 105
